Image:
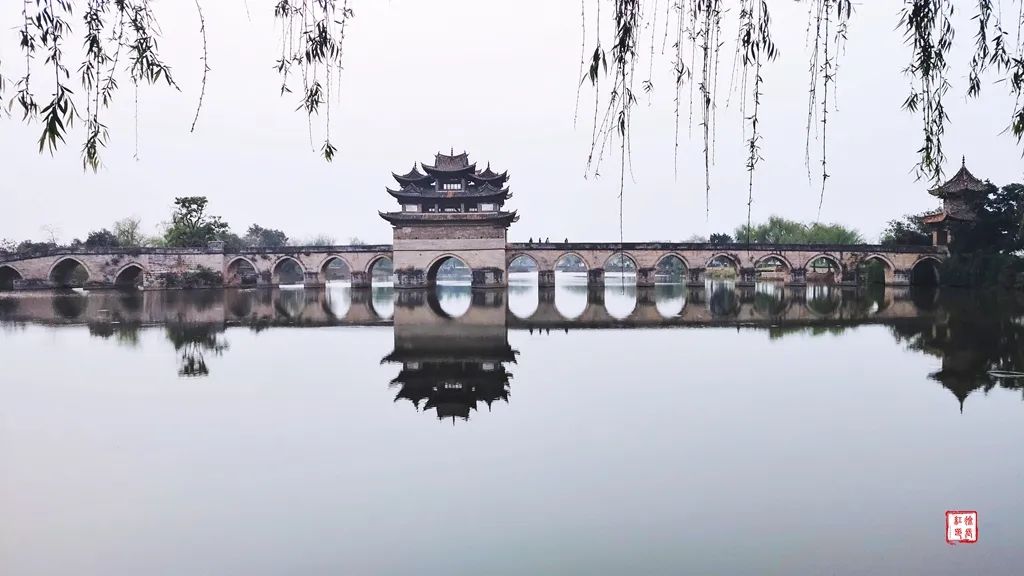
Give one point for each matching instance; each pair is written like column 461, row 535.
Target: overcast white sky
column 497, row 79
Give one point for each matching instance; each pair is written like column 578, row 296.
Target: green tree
column 720, row 239
column 1003, row 217
column 778, row 230
column 128, row 232
column 906, row 231
column 101, row 239
column 260, row 237
column 191, row 226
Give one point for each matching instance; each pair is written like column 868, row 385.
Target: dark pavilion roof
column 412, row 176
column 962, row 181
column 450, row 164
column 448, row 168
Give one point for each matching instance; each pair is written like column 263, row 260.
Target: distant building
column 963, row 197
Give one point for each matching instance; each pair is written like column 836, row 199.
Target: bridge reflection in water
column 451, row 344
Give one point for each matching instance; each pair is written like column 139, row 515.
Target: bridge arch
column 772, row 267
column 378, row 275
column 130, row 275
column 240, row 271
column 620, row 261
column 8, row 276
column 514, row 256
column 834, row 265
column 334, row 265
column 925, row 271
column 69, row 272
column 888, row 268
column 664, row 261
column 569, row 261
column 281, row 266
column 435, row 267
column 523, row 265
column 723, row 260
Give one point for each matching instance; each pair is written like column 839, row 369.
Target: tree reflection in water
column 192, row 341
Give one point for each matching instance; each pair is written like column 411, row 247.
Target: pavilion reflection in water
column 452, row 342
column 451, row 365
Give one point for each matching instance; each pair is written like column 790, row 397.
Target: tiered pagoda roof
column 452, row 389
column 450, row 190
column 961, row 197
column 962, row 183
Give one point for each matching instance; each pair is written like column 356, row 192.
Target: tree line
column 191, row 226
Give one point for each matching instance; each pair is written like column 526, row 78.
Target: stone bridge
column 791, row 263
column 180, row 267
column 185, row 267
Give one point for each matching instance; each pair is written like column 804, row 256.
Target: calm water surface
column 672, row 430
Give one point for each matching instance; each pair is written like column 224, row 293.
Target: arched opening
column 570, row 285
column 288, row 272
column 241, row 272
column 925, row 273
column 670, row 299
column 130, row 277
column 670, row 270
column 570, row 269
column 523, row 286
column 874, row 270
column 449, row 271
column 382, row 271
column 336, row 275
column 619, row 285
column 620, row 268
column 721, row 267
column 336, row 271
column 823, row 299
column 69, row 273
column 771, row 269
column 8, row 276
column 452, row 282
column 823, row 270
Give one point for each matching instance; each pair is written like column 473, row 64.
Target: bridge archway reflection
column 670, row 299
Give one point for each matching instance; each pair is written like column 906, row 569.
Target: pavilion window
column 410, row 207
column 487, row 207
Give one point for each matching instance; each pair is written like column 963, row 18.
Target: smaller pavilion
column 962, row 199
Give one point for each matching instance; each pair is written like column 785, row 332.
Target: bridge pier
column 695, row 277
column 747, row 277
column 545, row 278
column 361, row 279
column 797, row 277
column 595, row 278
column 646, row 277
column 311, row 279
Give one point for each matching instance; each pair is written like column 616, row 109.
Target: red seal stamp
column 961, row 526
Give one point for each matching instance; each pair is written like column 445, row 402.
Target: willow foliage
column 121, row 44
